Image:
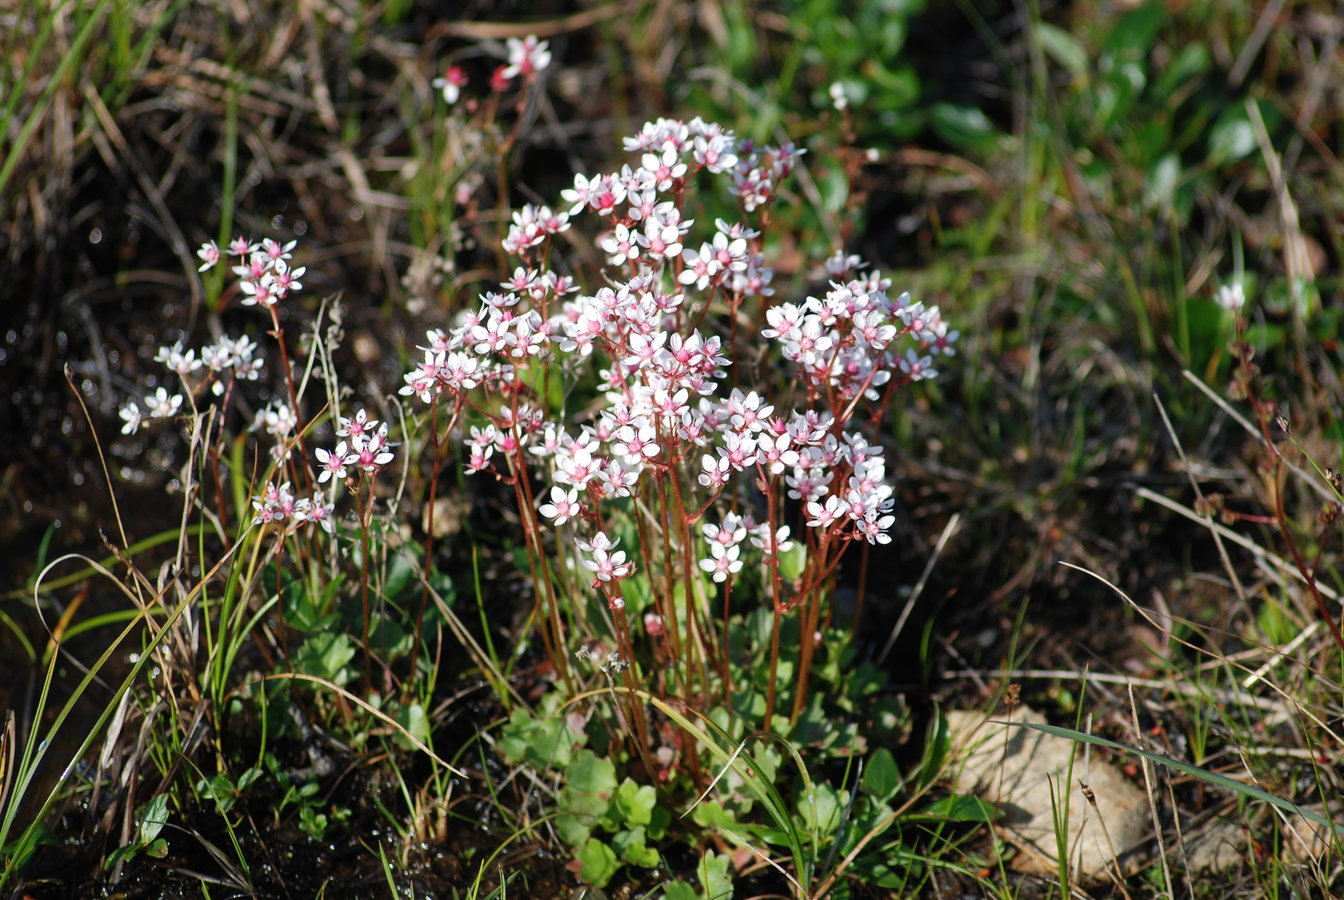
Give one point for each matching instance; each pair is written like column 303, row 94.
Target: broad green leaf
column 791, row 561
column 325, row 655
column 414, row 720
column 714, row 877
column 630, row 846
column 711, row 814
column 597, row 863
column 679, row 890
column 590, row 784
column 881, row 778
column 1231, row 138
column 401, row 572
column 820, row 810
column 156, row 816
column 635, row 803
column 543, row 743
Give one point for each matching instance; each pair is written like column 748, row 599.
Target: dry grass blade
column 1291, row 703
column 1152, row 798
column 1194, row 484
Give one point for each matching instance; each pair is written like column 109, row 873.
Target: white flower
column 715, row 474
column 333, row 462
column 161, row 405
column 1231, row 297
column 606, row 563
column 838, row 98
column 132, row 417
column 564, row 505
column 722, row 562
column 451, row 84
column 209, row 254
column 527, row 56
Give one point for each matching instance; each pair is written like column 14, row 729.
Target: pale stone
column 1018, row 768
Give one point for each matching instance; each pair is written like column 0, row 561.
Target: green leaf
column 414, row 720
column 958, row 808
column 881, row 778
column 658, row 822
column 792, row 561
column 590, row 783
column 964, row 127
column 401, row 572
column 1231, row 138
column 325, row 655
column 597, row 863
column 714, row 877
column 1134, row 34
column 515, row 737
column 635, row 803
column 156, row 816
column 121, row 854
column 679, row 890
column 312, row 822
column 1163, row 178
column 630, row 846
column 1191, row 61
column 542, row 743
column 937, row 743
column 1118, row 92
column 820, row 810
column 219, row 789
column 711, row 814
column 1063, row 48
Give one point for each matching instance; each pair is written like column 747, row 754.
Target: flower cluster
column 845, row 339
column 660, row 364
column 266, row 276
column 278, row 506
column 526, row 58
column 216, row 362
column 364, row 447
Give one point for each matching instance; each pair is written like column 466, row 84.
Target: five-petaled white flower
column 333, row 462
column 564, row 505
column 527, row 57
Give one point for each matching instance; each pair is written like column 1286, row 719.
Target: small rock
column 1019, row 768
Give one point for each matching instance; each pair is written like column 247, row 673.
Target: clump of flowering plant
column 697, row 476
column 295, row 494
